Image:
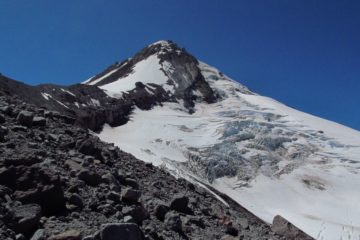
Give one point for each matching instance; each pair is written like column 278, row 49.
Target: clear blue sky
column 305, row 53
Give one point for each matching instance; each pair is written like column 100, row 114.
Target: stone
column 130, row 195
column 90, row 178
column 68, row 235
column 25, row 118
column 283, row 227
column 244, row 223
column 39, row 121
column 121, row 231
column 73, row 165
column 179, row 203
column 231, row 230
column 160, row 211
column 173, row 222
column 38, row 235
column 3, row 132
column 132, row 183
column 137, row 212
column 2, row 119
column 110, row 179
column 76, row 200
column 27, row 217
column 129, row 219
column 20, row 236
column 88, row 147
column 114, row 196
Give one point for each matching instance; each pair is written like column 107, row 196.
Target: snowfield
column 268, row 157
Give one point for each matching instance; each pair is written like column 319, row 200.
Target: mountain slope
column 268, row 157
column 166, row 107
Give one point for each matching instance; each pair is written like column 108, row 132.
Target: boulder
column 76, row 200
column 130, row 195
column 38, row 235
column 173, row 222
column 27, row 217
column 179, row 203
column 132, row 183
column 137, row 212
column 90, row 178
column 88, row 147
column 39, row 121
column 2, row 119
column 3, row 132
column 160, row 211
column 25, row 118
column 68, row 235
column 121, row 231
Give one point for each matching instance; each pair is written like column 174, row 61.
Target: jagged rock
column 88, row 147
column 231, row 230
column 138, row 212
column 3, row 132
column 283, row 227
column 130, row 195
column 68, row 235
column 27, row 217
column 160, row 211
column 39, row 121
column 132, row 183
column 244, row 223
column 76, row 200
column 129, row 219
column 73, row 165
column 6, row 110
column 114, row 196
column 2, row 119
column 34, row 185
column 173, row 221
column 90, row 178
column 25, row 118
column 20, row 236
column 121, row 231
column 110, row 179
column 179, row 203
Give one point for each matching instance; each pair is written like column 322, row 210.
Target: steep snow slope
column 270, row 158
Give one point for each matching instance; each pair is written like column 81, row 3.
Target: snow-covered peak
column 162, row 43
column 250, row 147
column 162, row 64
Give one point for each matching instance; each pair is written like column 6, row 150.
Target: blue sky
column 305, row 54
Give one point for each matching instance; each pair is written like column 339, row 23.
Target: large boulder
column 130, row 195
column 173, row 222
column 39, row 121
column 90, row 178
column 160, row 211
column 121, row 231
column 25, row 118
column 27, row 217
column 68, row 235
column 179, row 203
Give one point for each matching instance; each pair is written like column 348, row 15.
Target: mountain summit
column 166, row 107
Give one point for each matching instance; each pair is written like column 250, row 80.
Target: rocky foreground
column 59, row 182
